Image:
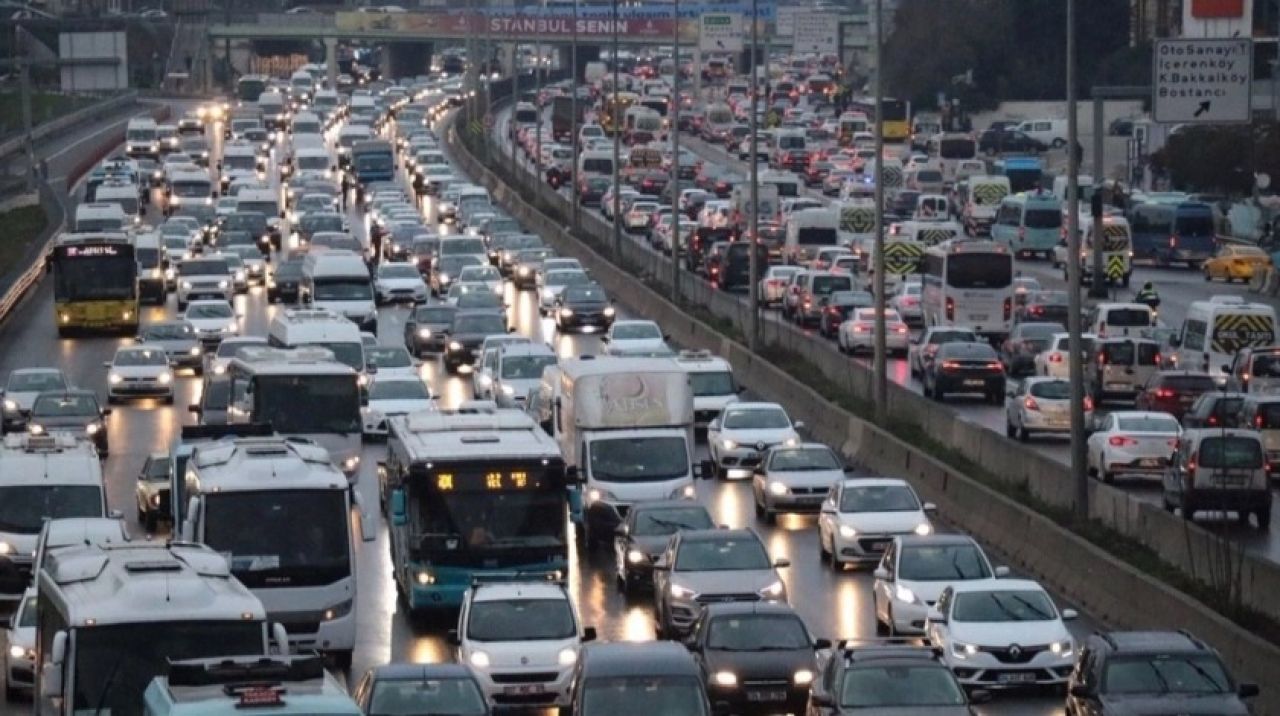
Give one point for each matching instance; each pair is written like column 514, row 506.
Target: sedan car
column 391, row 396
column 1173, row 391
column 906, row 301
column 643, row 536
column 836, row 306
column 1004, row 633
column 179, row 342
column 139, row 371
column 284, row 282
column 583, row 308
column 71, row 411
column 1044, row 307
column 888, row 678
column 965, row 368
column 744, row 432
column 701, row 566
column 465, row 334
column 20, row 654
column 794, row 479
column 921, row 351
column 550, row 282
column 755, row 657
column 914, row 571
column 1236, row 261
column 1041, row 405
column 488, row 276
column 21, row 389
column 773, row 285
column 1131, row 442
column 216, row 359
column 635, row 338
column 398, row 282
column 152, row 491
column 858, row 333
column 213, row 320
column 862, row 515
column 420, row 688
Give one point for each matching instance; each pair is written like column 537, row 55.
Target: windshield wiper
column 1009, row 613
column 1204, row 674
column 1039, row 612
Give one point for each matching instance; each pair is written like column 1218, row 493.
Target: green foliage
column 1220, row 159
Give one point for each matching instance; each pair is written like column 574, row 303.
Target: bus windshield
column 488, row 520
column 979, row 271
column 102, row 277
column 281, row 538
column 24, row 508
column 301, row 404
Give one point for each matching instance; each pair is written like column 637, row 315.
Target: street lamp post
column 881, row 380
column 753, row 337
column 615, row 119
column 1075, row 345
column 674, row 127
column 573, row 93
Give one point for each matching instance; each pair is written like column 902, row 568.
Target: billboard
column 1217, row 18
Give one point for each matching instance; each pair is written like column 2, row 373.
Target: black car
column 580, row 307
column 526, row 265
column 884, row 679
column 1048, row 306
column 756, row 657
column 643, row 536
column 1153, row 672
column 617, row 678
column 253, row 222
column 1215, row 409
column 426, row 328
column 965, row 368
column 998, row 141
column 1026, row 340
column 284, row 283
column 420, row 688
column 904, row 203
column 735, row 266
column 311, row 224
column 75, row 411
column 591, row 189
column 836, row 306
column 466, row 333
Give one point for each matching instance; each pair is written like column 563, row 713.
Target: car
column 398, row 282
column 253, row 261
column 214, row 406
column 517, row 371
column 152, row 491
column 179, row 342
column 526, row 266
column 756, row 657
column 888, row 678
column 1173, row 391
column 1165, row 671
column 861, row 515
column 446, row 271
column 392, row 396
column 584, row 308
column 701, row 566
column 20, row 651
column 73, row 411
column 216, row 359
column 922, row 348
column 550, row 282
column 635, row 337
column 631, row 678
column 465, row 334
column 489, row 276
column 998, row 141
column 836, row 306
column 21, row 389
column 1043, row 306
column 643, row 535
column 964, row 368
column 426, row 328
column 858, row 332
column 390, row 362
column 794, row 479
column 1052, row 361
column 906, row 301
column 213, row 320
column 913, row 572
column 1219, row 409
column 739, row 438
column 1025, row 341
column 1002, row 633
column 139, row 371
column 204, row 277
column 284, row 282
column 1219, row 469
column 482, row 378
column 1236, row 261
column 1131, row 443
column 420, row 688
column 239, row 272
column 1041, row 405
column 523, row 631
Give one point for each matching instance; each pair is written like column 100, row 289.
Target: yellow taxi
column 1236, row 261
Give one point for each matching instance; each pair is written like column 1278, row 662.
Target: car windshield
column 947, row 562
column 1051, row 390
column 721, row 554
column 399, row 271
column 712, row 383
column 414, row 697
column 204, row 268
column 484, row 324
column 662, row 522
column 521, row 620
column 210, row 310
column 757, row 419
column 479, row 299
column 525, row 367
column 168, row 332
column 25, row 508
column 1128, row 317
column 938, row 337
column 35, row 382
column 1005, row 605
column 62, row 406
column 479, row 273
column 900, row 686
column 584, row 294
column 343, row 289
column 399, row 390
column 806, row 458
column 878, row 498
column 644, row 696
column 639, row 459
column 288, row 269
column 139, row 357
column 1165, row 673
column 388, row 357
column 636, row 332
column 757, row 632
column 566, row 278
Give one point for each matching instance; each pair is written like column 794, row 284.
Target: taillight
column 1191, row 464
column 1102, row 358
column 1055, row 358
column 950, row 364
column 1164, row 393
column 1031, row 404
column 951, row 309
column 1213, row 420
column 1121, row 441
column 996, row 365
column 1173, row 241
column 1257, row 422
column 1088, row 404
column 1008, row 308
column 902, row 329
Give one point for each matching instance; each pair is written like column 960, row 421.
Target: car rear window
column 1128, row 317
column 1267, row 416
column 1231, row 451
column 1051, row 390
column 1188, row 383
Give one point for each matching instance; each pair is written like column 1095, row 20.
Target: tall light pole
column 573, row 94
column 881, row 379
column 753, row 220
column 515, row 97
column 673, row 117
column 615, row 119
column 1075, row 347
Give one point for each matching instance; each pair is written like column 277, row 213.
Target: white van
column 1053, row 132
column 294, row 328
column 595, row 161
column 1084, row 183
column 809, row 230
column 275, row 111
column 142, row 138
column 97, row 217
column 982, row 202
column 123, row 194
column 1214, row 331
column 339, row 281
column 1118, row 320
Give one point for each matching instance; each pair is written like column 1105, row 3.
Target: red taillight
column 910, row 301
column 902, row 329
column 1031, row 404
column 859, row 328
column 950, row 364
column 1102, row 358
column 1036, row 310
column 1088, row 404
column 1213, row 420
column 1055, row 358
column 996, row 365
column 1173, row 241
column 1008, row 308
column 1191, row 464
column 1121, row 441
column 1165, row 393
column 951, row 309
column 1257, row 421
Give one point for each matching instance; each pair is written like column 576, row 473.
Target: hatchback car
column 703, row 566
column 179, row 342
column 583, row 308
column 862, row 515
column 644, row 534
column 426, row 328
column 398, row 282
column 1174, row 391
column 740, row 437
column 21, row 390
column 755, row 657
column 1041, row 405
column 138, row 372
column 420, row 688
column 794, row 479
column 914, row 571
column 71, row 411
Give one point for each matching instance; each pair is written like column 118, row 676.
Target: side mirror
column 1001, row 572
column 1069, row 614
column 1226, row 369
column 661, row 565
column 1247, row 691
column 194, row 408
column 781, row 563
column 106, row 364
column 399, row 516
column 51, row 671
column 799, row 425
column 882, row 574
column 453, row 638
column 589, row 634
column 572, row 474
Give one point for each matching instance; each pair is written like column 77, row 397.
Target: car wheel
column 1009, row 430
column 1023, row 435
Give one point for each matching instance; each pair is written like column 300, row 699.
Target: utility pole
column 674, row 127
column 515, row 97
column 881, row 352
column 615, row 119
column 24, row 72
column 1075, row 346
column 573, row 93
column 753, row 220
column 1098, row 286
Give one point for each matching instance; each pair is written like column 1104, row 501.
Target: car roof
column 989, row 585
column 420, row 671
column 637, row 659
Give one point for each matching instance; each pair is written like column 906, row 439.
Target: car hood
column 638, row 345
column 1002, row 634
column 1173, row 705
column 524, row 654
column 807, row 478
column 884, row 522
column 586, row 305
column 651, row 545
column 760, row 665
column 175, row 345
column 402, row 283
column 728, row 581
column 521, row 386
column 771, row 436
column 210, row 324
column 64, row 421
column 139, row 371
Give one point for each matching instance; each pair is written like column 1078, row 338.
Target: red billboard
column 1217, row 9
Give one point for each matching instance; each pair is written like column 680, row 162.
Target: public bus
column 969, row 283
column 614, row 108
column 95, row 283
column 896, row 120
column 249, row 88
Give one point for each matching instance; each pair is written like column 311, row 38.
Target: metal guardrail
column 49, row 198
column 67, row 121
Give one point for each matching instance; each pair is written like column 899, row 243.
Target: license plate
column 978, row 316
column 1149, row 462
column 1118, row 386
column 766, row 696
column 976, row 383
column 523, row 689
column 1020, row 677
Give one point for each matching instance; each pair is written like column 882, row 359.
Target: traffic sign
column 818, row 33
column 1202, row 81
column 720, row 32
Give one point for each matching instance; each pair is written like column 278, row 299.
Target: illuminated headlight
column 728, row 444
column 155, row 500
column 686, row 492
column 479, row 659
column 10, row 406
column 6, row 548
column 904, row 594
column 924, row 528
column 170, row 274
column 425, row 578
column 424, row 332
column 566, row 312
column 848, row 532
column 338, row 610
column 548, row 293
column 680, row 592
column 773, row 591
column 157, row 174
column 568, row 656
column 115, row 379
column 635, row 556
column 92, row 429
column 444, row 278
column 1061, row 648
column 155, row 147
column 803, row 677
column 165, row 378
column 219, row 369
column 523, row 270
column 17, row 652
column 792, row 442
column 455, row 346
column 34, row 429
column 726, row 679
column 223, row 284
column 186, row 285
column 362, row 380
column 777, row 488
column 508, row 390
column 240, row 275
column 961, row 650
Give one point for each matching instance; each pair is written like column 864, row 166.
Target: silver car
column 794, row 479
column 705, row 566
column 179, row 340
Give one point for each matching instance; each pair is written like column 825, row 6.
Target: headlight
column 239, row 275
column 17, row 652
column 773, row 591
column 608, row 310
column 680, row 592
column 115, row 379
column 904, row 594
column 508, row 390
column 6, row 548
column 566, row 312
column 455, row 346
column 223, row 284
column 351, row 463
column 165, row 378
column 1061, row 648
column 924, row 528
column 523, row 270
column 803, row 677
column 34, row 429
column 548, row 293
column 728, row 444
column 777, row 488
column 792, row 442
column 424, row 578
column 848, row 532
column 444, row 278
column 155, row 500
column 10, row 405
column 724, row 678
column 635, row 556
column 567, row 656
column 479, row 659
column 92, row 428
column 186, row 285
column 961, row 650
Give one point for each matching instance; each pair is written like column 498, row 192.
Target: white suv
column 521, row 637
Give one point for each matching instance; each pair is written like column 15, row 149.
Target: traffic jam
column 314, row 425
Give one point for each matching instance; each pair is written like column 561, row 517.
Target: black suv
column 887, row 678
column 1153, row 672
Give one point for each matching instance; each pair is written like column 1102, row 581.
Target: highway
column 834, row 605
column 1178, row 288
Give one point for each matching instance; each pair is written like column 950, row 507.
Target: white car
column 215, row 361
column 139, row 371
column 862, row 515
column 255, row 263
column 635, row 338
column 21, row 389
column 916, row 569
column 399, row 282
column 794, row 479
column 1131, row 442
column 526, row 632
column 390, row 361
column 390, row 396
column 519, row 371
column 713, row 385
column 488, row 355
column 744, row 432
column 1002, row 633
column 858, row 333
column 1052, row 361
column 213, row 320
column 487, row 275
column 20, row 656
column 906, row 301
column 1040, row 405
column 204, row 277
column 773, row 285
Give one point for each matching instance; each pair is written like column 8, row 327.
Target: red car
column 1174, row 391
